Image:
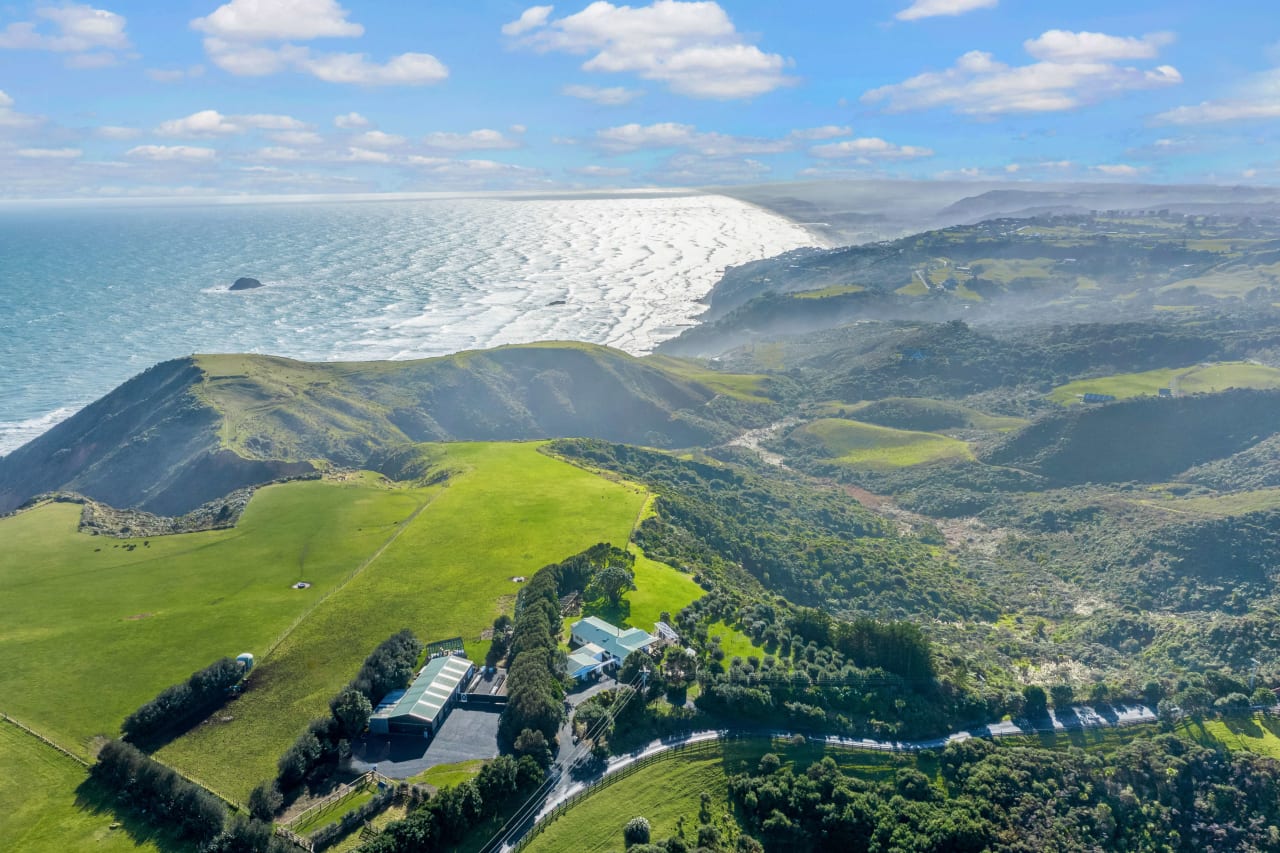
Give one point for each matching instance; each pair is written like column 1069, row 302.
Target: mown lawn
column 507, row 512
column 93, row 626
column 42, row 812
column 448, row 775
column 863, row 445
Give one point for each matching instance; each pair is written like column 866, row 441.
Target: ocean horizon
column 96, row 294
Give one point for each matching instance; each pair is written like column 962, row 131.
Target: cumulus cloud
column 115, row 132
column 691, row 47
column 634, row 137
column 978, row 84
column 92, row 37
column 596, row 171
column 378, row 139
column 1119, row 170
column 608, row 96
column 1257, row 99
column 296, row 137
column 171, row 153
column 933, row 8
column 279, row 153
column 214, row 123
column 11, row 118
column 244, row 37
column 350, row 121
column 476, row 140
column 869, row 148
column 447, row 172
column 829, row 131
column 49, row 153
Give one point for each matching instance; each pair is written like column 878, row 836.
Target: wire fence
column 35, row 734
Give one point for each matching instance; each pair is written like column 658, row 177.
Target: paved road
column 1076, row 719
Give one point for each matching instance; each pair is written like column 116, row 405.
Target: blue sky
column 119, row 98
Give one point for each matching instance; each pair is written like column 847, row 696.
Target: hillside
column 191, row 430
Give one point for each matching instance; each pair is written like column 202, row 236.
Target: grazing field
column 828, row 292
column 741, row 386
column 95, row 626
column 507, row 511
column 863, row 445
column 41, row 812
column 1257, row 734
column 448, row 775
column 671, row 790
column 964, row 416
column 1189, row 380
column 1235, row 503
column 659, row 587
column 734, row 642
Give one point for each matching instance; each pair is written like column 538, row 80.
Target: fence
column 337, row 797
column 35, row 734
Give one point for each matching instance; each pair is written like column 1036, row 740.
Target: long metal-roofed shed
column 423, row 706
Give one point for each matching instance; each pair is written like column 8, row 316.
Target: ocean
column 91, row 296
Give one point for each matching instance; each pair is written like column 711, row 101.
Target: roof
column 582, row 659
column 431, row 690
column 617, row 642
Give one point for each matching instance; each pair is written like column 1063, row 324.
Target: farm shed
column 423, row 707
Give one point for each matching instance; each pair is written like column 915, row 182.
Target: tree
column 1062, row 695
column 352, row 709
column 611, row 582
column 769, row 764
column 636, row 831
column 1035, row 703
column 265, row 800
column 533, row 743
column 1098, row 694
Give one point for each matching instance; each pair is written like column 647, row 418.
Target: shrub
column 636, row 831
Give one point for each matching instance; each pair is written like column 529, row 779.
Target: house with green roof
column 420, row 709
column 599, row 645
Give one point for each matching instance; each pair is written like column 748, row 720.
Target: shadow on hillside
column 94, row 799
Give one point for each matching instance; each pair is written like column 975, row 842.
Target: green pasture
column 1190, row 380
column 95, row 626
column 448, row 775
column 747, row 387
column 508, row 511
column 734, row 642
column 47, row 811
column 828, row 292
column 973, row 418
column 865, row 445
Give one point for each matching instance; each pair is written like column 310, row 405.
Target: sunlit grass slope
column 865, row 445
column 93, row 626
column 508, row 511
column 1190, row 380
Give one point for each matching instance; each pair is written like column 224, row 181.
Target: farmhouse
column 605, row 644
column 421, row 709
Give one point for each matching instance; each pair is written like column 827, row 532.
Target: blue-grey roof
column 617, row 642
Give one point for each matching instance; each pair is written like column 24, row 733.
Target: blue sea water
column 92, row 296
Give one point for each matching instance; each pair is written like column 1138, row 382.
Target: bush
column 179, row 706
column 636, row 831
column 138, row 782
column 265, row 800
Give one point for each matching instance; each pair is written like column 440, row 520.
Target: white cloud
column 350, row 121
column 115, row 132
column 601, row 171
column 296, row 137
column 692, row 47
column 476, row 140
column 278, row 20
column 1257, row 99
column 829, row 131
column 356, row 154
column 868, row 149
column 444, row 171
column 933, row 8
column 693, row 169
column 634, row 137
column 980, row 85
column 276, row 153
column 49, row 153
column 12, row 119
column 240, row 38
column 608, row 96
column 1119, row 170
column 378, row 139
column 214, row 123
column 189, row 153
column 77, row 28
column 407, row 69
column 1066, row 46
column 530, row 19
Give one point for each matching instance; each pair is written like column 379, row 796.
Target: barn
column 421, row 708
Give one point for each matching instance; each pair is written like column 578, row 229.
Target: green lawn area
column 668, row 790
column 828, row 292
column 972, row 418
column 333, row 812
column 42, row 813
column 508, row 511
column 734, row 642
column 1256, row 734
column 1192, row 380
column 95, row 626
column 863, row 445
column 448, row 775
column 741, row 386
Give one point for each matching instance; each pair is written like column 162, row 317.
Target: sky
column 191, row 97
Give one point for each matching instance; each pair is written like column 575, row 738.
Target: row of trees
column 170, row 802
column 535, row 694
column 180, row 706
column 318, row 750
column 443, row 821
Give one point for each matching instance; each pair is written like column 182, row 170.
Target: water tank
column 245, row 660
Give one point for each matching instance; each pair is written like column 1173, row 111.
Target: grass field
column 747, row 387
column 733, row 641
column 448, row 775
column 828, row 292
column 971, row 417
column 1257, row 734
column 333, row 812
column 41, row 813
column 1190, row 380
column 94, row 627
column 1235, row 503
column 509, row 511
column 864, row 445
column 671, row 790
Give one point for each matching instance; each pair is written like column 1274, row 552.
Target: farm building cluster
column 599, row 646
